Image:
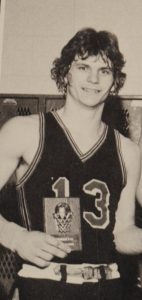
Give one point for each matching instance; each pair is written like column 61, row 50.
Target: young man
column 71, row 156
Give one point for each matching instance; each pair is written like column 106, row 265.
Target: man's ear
column 112, row 90
column 66, row 80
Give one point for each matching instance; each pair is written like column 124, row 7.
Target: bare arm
column 128, row 237
column 17, row 138
column 139, row 189
column 10, row 149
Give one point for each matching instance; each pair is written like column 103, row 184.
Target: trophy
column 62, row 220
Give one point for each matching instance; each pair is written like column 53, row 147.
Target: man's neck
column 83, row 119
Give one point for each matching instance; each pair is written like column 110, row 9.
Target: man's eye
column 105, row 71
column 83, row 68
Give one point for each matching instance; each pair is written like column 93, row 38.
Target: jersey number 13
column 100, row 195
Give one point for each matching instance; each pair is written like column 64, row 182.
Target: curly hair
column 85, row 43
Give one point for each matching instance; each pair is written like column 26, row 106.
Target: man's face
column 90, row 80
column 62, row 212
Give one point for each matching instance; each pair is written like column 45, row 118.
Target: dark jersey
column 97, row 177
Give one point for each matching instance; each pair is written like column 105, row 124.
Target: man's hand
column 39, row 248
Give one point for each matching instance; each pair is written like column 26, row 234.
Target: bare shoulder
column 129, row 146
column 18, row 132
column 21, row 120
column 19, row 124
column 131, row 152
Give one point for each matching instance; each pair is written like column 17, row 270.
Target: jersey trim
column 83, row 156
column 23, row 208
column 38, row 154
column 120, row 155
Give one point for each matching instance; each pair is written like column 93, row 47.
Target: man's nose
column 93, row 76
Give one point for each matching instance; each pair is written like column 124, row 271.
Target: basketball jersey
column 97, row 177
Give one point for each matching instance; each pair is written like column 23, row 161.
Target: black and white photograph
column 70, row 150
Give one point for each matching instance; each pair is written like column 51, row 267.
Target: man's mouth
column 91, row 90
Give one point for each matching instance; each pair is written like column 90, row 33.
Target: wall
column 35, row 31
column 2, row 13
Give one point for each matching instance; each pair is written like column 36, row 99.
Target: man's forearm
column 9, row 233
column 129, row 241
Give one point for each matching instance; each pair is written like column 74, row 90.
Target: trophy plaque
column 62, row 220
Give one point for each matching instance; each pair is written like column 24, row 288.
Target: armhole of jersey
column 38, row 153
column 120, row 156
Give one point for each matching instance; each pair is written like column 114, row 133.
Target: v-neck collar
column 82, row 156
